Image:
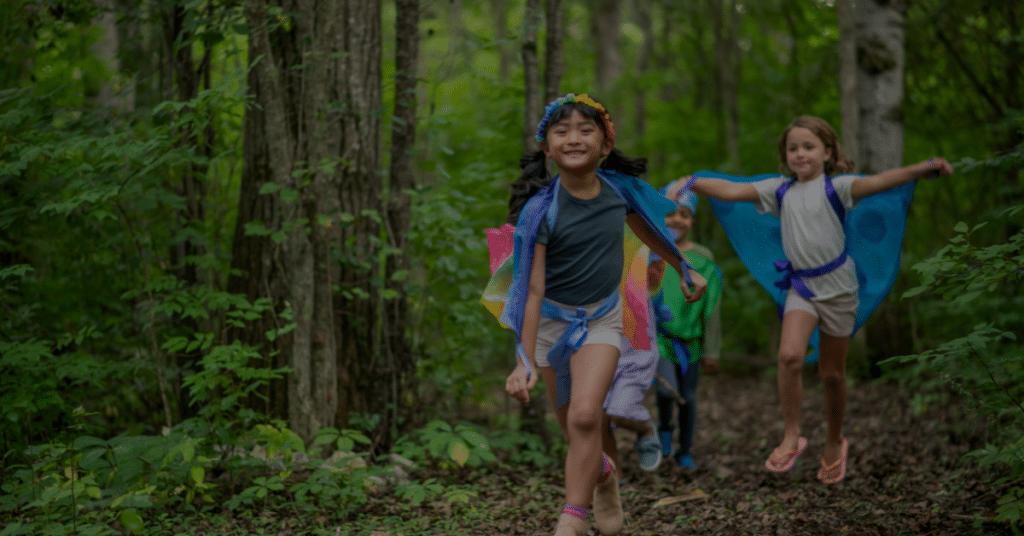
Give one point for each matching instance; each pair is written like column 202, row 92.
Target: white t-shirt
column 812, row 234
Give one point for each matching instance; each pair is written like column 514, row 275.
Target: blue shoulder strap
column 830, row 193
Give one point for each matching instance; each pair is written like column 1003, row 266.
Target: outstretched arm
column 640, row 229
column 721, row 189
column 865, row 186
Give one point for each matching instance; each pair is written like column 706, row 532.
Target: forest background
column 229, row 228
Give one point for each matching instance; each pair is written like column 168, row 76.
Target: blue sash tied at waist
column 794, row 278
column 572, row 339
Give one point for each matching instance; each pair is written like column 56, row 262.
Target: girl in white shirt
column 819, row 275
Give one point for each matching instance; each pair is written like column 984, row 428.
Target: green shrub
column 985, row 366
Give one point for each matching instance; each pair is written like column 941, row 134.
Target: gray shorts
column 604, row 330
column 836, row 316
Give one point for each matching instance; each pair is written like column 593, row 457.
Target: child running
column 819, row 275
column 689, row 340
column 563, row 302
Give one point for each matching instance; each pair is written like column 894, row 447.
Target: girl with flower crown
column 563, row 302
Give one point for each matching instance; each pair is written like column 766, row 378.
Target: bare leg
column 797, row 327
column 592, row 368
column 832, row 369
column 609, row 445
column 641, row 428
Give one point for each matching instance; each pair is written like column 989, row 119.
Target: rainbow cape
column 874, row 236
column 511, row 257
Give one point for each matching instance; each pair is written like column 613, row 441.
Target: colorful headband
column 685, row 197
column 542, row 128
column 688, row 199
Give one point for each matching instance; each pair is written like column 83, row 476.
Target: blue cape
column 874, row 236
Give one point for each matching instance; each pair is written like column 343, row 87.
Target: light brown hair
column 837, row 164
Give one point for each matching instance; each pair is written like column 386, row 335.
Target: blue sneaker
column 666, row 442
column 648, row 448
column 686, row 462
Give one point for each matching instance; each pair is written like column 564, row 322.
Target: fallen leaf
column 692, row 495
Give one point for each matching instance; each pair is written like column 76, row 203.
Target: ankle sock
column 576, row 511
column 606, row 469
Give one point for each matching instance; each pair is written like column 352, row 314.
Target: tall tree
column 725, row 20
column 531, row 74
column 880, row 39
column 849, row 106
column 313, row 152
column 605, row 24
column 499, row 10
column 400, row 363
column 553, row 51
column 644, row 20
column 182, row 78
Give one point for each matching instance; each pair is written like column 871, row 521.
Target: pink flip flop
column 830, row 474
column 791, row 457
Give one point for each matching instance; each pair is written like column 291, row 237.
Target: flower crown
column 542, row 127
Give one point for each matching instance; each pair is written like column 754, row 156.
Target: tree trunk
column 313, row 149
column 642, row 11
column 725, row 24
column 849, row 106
column 553, row 52
column 359, row 90
column 605, row 22
column 400, row 362
column 500, row 11
column 533, row 108
column 182, row 84
column 880, row 35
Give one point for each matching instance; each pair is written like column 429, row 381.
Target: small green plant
column 448, row 446
column 522, row 448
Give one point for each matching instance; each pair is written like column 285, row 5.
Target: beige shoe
column 571, row 526
column 608, row 506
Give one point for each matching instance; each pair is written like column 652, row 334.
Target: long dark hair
column 534, row 165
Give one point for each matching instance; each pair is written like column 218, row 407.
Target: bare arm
column 655, row 273
column 636, row 223
column 865, row 186
column 519, row 383
column 720, row 189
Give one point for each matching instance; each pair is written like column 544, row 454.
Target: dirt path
column 906, row 473
column 906, row 476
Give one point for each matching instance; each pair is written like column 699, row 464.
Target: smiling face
column 806, row 154
column 681, row 220
column 576, row 143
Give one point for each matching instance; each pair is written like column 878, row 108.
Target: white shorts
column 604, row 330
column 836, row 316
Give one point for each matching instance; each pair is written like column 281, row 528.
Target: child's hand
column 672, row 192
column 700, row 285
column 519, row 383
column 937, row 167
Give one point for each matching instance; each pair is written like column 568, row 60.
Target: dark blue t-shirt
column 583, row 263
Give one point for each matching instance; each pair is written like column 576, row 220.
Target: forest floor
column 907, row 474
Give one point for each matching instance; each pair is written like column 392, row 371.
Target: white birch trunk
column 880, row 68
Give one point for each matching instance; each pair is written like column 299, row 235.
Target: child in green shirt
column 692, row 338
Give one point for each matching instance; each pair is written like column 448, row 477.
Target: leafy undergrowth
column 906, row 475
